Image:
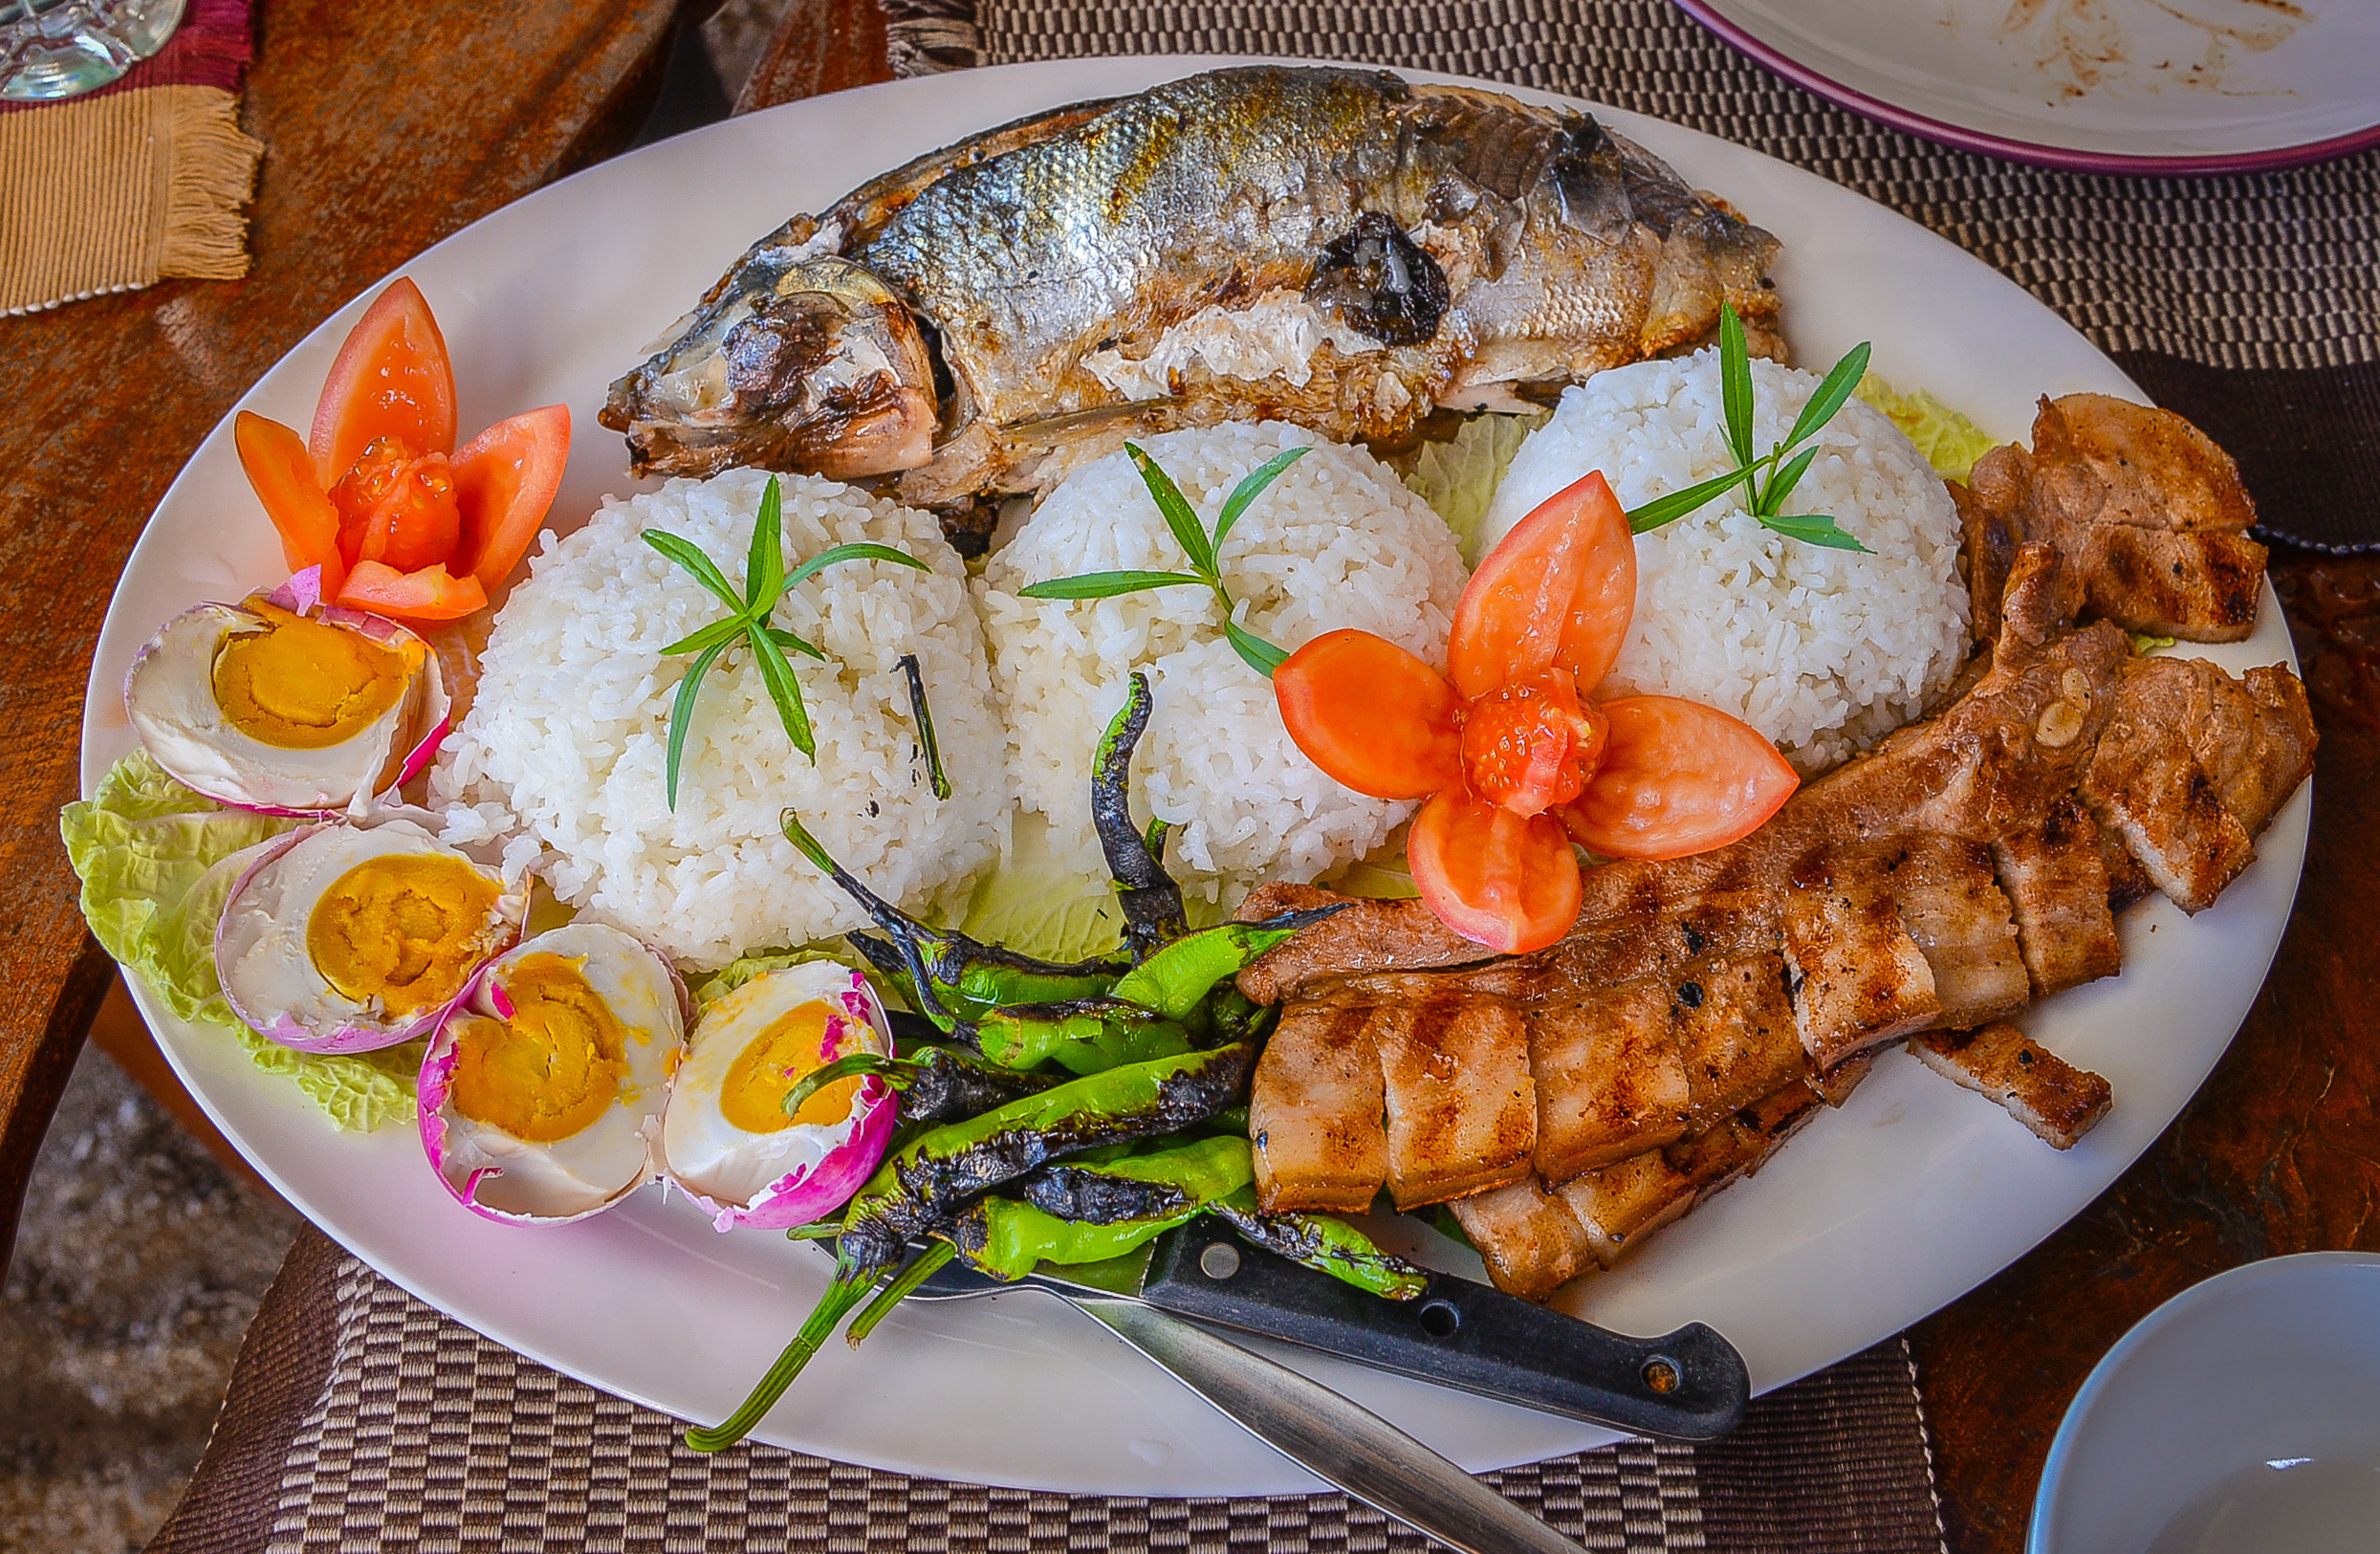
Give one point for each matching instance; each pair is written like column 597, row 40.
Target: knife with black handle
column 1690, row 1385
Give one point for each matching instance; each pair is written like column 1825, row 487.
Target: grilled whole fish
column 1571, row 1101
column 1337, row 247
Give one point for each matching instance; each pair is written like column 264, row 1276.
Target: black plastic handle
column 1688, row 1386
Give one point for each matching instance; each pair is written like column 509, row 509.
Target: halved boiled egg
column 344, row 938
column 543, row 1089
column 287, row 704
column 727, row 1138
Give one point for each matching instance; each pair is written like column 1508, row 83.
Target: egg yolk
column 753, row 1097
column 303, row 683
column 552, row 1069
column 406, row 928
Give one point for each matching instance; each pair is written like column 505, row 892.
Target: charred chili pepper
column 1089, row 1214
column 935, row 1084
column 1177, row 979
column 923, row 1185
column 1082, row 1035
column 1324, row 1243
column 1153, row 915
column 951, row 978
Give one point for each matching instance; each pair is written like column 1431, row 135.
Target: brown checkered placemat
column 2249, row 303
column 360, row 1419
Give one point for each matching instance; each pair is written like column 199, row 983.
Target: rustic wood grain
column 820, row 46
column 385, row 128
column 2278, row 1152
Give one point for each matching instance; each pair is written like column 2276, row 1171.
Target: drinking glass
column 58, row 47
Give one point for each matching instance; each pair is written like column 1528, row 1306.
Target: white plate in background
column 2110, row 86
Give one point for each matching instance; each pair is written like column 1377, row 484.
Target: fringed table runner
column 2250, row 303
column 140, row 180
column 360, row 1419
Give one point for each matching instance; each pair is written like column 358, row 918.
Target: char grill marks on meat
column 1571, row 1101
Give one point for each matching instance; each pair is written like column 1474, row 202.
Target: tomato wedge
column 281, row 472
column 1557, row 592
column 504, row 481
column 392, row 378
column 1493, row 878
column 429, row 593
column 1371, row 716
column 1677, row 778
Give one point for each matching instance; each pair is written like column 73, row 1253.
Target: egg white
column 709, row 1156
column 170, row 698
column 610, row 1156
column 261, row 957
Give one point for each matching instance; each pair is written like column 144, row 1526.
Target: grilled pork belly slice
column 2146, row 510
column 1530, row 1240
column 1858, row 976
column 1314, row 1112
column 1953, row 908
column 2057, row 883
column 1611, row 1081
column 1372, row 936
column 2057, row 1100
column 1462, row 1107
column 2193, row 763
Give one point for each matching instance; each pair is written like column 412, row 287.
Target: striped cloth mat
column 138, row 181
column 2250, row 304
column 360, row 1419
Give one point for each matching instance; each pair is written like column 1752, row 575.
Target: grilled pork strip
column 1315, row 1123
column 2057, row 1100
column 2149, row 511
column 1970, row 862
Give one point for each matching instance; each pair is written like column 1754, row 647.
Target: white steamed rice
column 1821, row 650
column 1336, row 541
column 566, row 740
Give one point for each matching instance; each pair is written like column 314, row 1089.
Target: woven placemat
column 2251, row 302
column 360, row 1419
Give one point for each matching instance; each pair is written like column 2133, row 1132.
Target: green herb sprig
column 765, row 582
column 1770, row 478
column 1201, row 549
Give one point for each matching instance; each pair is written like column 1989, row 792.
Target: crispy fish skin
column 1353, row 250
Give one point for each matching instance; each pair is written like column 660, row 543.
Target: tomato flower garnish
column 377, row 495
column 1515, row 761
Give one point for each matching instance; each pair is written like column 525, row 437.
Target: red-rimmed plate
column 2102, row 86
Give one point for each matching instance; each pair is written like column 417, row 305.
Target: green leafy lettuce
column 1950, row 441
column 1458, row 478
column 157, row 862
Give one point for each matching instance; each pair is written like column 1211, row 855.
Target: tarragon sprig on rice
column 1201, row 548
column 765, row 581
column 1770, row 478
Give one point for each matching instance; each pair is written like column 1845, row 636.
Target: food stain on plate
column 2068, row 49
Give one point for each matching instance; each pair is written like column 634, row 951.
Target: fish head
column 799, row 360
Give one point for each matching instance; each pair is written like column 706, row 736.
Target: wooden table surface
column 389, row 127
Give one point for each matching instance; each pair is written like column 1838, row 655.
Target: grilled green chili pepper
column 1175, row 980
column 1082, row 1037
column 951, row 978
column 922, row 1186
column 1089, row 1214
column 1153, row 914
column 846, row 1289
column 1008, row 1239
column 1322, row 1242
column 936, row 1084
column 1139, row 1186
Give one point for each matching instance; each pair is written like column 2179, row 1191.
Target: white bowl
column 2241, row 1415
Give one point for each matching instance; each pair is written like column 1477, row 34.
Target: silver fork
column 1331, row 1437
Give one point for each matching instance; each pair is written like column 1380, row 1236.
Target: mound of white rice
column 567, row 739
column 1336, row 541
column 1822, row 651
